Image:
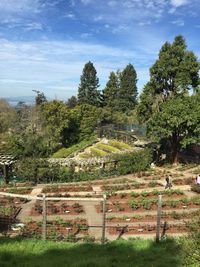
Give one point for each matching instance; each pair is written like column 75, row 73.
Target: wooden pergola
column 6, row 161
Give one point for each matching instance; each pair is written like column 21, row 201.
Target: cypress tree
column 111, row 91
column 89, row 82
column 128, row 89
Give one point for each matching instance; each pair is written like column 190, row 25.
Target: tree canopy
column 162, row 101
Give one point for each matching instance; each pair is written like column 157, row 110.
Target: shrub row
column 66, row 152
column 108, row 148
column 119, row 145
column 40, row 171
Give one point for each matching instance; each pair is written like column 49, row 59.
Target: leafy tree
column 72, row 102
column 89, row 82
column 128, row 89
column 162, row 101
column 7, row 116
column 178, row 121
column 88, row 119
column 40, row 98
column 56, row 120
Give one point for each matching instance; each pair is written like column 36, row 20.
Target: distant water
column 28, row 100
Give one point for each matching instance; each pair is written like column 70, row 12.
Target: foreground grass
column 137, row 253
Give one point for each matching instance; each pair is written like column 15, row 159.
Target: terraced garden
column 131, row 206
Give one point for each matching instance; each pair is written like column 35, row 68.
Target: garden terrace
column 150, row 204
column 59, row 229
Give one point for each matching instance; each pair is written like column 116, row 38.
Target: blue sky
column 44, row 44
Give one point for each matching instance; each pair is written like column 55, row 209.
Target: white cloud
column 70, row 15
column 86, row 35
column 86, row 2
column 178, row 3
column 49, row 65
column 179, row 22
column 144, row 23
column 20, row 6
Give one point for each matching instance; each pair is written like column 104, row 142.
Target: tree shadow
column 137, row 253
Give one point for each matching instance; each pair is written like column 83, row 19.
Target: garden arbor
column 5, row 163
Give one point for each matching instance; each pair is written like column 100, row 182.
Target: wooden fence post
column 104, row 220
column 44, row 223
column 158, row 218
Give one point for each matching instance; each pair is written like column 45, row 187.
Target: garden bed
column 175, row 193
column 57, row 228
column 57, row 208
column 150, row 204
column 17, row 190
column 172, row 216
column 68, row 188
column 147, row 229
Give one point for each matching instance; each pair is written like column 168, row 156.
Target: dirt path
column 27, row 207
column 94, row 219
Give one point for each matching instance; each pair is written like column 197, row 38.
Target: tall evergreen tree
column 128, row 88
column 111, row 91
column 89, row 82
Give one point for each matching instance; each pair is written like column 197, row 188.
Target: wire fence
column 78, row 218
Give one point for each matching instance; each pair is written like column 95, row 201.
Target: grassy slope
column 137, row 253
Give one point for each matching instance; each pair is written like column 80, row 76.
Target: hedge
column 135, row 161
column 119, row 145
column 108, row 148
column 66, row 152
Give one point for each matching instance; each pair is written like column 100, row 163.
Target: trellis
column 6, row 161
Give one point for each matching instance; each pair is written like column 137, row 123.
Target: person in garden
column 168, row 182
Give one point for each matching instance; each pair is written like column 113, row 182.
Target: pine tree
column 89, row 82
column 128, row 89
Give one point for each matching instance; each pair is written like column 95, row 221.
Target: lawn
column 137, row 253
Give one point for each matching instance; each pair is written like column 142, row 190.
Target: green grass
column 66, row 152
column 135, row 253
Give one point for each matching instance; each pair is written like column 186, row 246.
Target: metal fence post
column 104, row 220
column 44, row 223
column 158, row 218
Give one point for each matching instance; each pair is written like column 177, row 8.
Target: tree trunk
column 175, row 146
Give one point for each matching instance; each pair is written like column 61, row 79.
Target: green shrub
column 85, row 156
column 134, row 194
column 134, row 161
column 195, row 188
column 133, row 204
column 97, row 152
column 191, row 243
column 119, row 145
column 146, row 203
column 107, row 148
column 196, row 200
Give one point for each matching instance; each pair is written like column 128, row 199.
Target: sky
column 44, row 44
